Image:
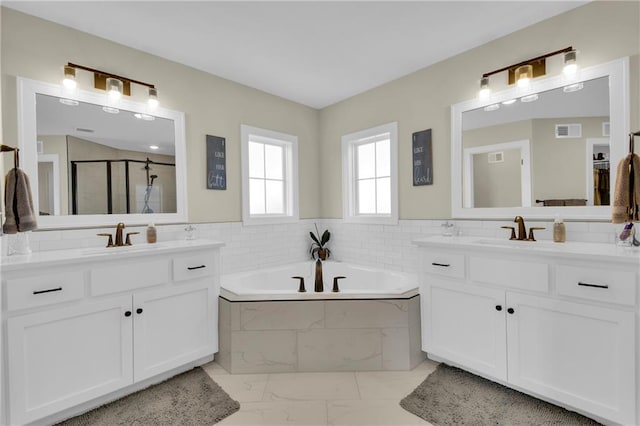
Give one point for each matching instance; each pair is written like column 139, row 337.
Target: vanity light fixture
column 485, row 90
column 69, row 81
column 523, row 72
column 112, row 83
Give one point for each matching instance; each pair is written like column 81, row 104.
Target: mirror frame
column 618, row 73
column 27, row 137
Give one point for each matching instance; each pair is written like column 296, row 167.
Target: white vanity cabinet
column 81, row 327
column 556, row 323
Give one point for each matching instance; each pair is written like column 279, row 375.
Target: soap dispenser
column 152, row 235
column 559, row 230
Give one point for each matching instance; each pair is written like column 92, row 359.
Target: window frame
column 290, row 170
column 349, row 186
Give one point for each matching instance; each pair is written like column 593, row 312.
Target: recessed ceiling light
column 69, row 102
column 491, row 107
column 529, row 98
column 110, row 110
column 573, row 87
column 509, row 102
column 145, row 117
column 154, row 147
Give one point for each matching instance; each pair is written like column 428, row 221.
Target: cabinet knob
column 511, row 310
column 498, row 307
column 127, row 314
column 139, row 311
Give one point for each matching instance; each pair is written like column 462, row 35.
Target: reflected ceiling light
column 153, row 98
column 524, row 75
column 529, row 98
column 114, row 89
column 69, row 102
column 69, row 81
column 509, row 102
column 485, row 90
column 573, row 87
column 154, row 147
column 110, row 110
column 492, row 107
column 145, row 117
column 570, row 63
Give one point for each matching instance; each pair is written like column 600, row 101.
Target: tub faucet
column 319, row 287
column 522, row 230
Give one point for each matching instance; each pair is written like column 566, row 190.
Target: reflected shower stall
column 122, row 186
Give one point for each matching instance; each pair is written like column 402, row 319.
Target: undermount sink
column 514, row 243
column 123, row 249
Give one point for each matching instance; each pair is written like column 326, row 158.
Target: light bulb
column 114, row 89
column 524, row 74
column 485, row 90
column 153, row 98
column 69, row 81
column 570, row 63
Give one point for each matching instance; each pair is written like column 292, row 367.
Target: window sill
column 372, row 219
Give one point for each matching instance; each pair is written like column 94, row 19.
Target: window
column 370, row 175
column 269, row 176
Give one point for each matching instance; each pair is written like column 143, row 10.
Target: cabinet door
column 466, row 325
column 577, row 354
column 173, row 326
column 62, row 357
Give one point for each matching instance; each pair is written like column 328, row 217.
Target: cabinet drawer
column 603, row 285
column 130, row 276
column 447, row 264
column 43, row 290
column 189, row 267
column 510, row 273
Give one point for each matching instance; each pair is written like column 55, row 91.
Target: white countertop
column 571, row 250
column 61, row 257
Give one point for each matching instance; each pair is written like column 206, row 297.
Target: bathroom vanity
column 557, row 321
column 83, row 327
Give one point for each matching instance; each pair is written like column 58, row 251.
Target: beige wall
column 601, row 31
column 497, row 184
column 38, row 49
column 57, row 145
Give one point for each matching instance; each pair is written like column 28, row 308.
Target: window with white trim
column 370, row 175
column 269, row 176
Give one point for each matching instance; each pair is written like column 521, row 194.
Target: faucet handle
column 110, row 242
column 513, row 231
column 301, row 288
column 127, row 242
column 534, row 228
column 335, row 284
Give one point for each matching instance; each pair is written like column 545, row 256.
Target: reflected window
column 269, row 175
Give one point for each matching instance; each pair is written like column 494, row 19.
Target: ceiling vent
column 568, row 130
column 606, row 128
column 496, row 157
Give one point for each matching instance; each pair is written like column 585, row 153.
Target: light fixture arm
column 109, row 75
column 528, row 61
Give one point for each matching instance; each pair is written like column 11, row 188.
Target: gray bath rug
column 450, row 396
column 191, row 398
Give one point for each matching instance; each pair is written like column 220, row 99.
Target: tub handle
column 301, row 288
column 335, row 284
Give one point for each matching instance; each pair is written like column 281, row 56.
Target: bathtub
column 276, row 283
column 267, row 326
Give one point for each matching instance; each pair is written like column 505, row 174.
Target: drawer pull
column 444, row 265
column 191, row 268
column 593, row 285
column 50, row 290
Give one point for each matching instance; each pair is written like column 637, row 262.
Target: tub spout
column 319, row 287
column 301, row 288
column 335, row 284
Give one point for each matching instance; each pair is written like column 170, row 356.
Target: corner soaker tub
column 267, row 326
column 276, row 283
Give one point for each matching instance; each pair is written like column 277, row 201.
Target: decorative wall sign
column 216, row 163
column 422, row 158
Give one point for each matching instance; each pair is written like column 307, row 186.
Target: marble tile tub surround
column 319, row 335
column 258, row 246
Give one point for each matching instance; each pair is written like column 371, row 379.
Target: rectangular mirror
column 97, row 165
column 547, row 151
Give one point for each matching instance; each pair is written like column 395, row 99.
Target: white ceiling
column 313, row 52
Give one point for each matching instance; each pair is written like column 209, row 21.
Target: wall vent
column 606, row 127
column 569, row 130
column 40, row 147
column 496, row 157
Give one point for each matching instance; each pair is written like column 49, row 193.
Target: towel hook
column 16, row 155
column 631, row 141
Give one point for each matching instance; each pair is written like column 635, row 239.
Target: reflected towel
column 18, row 204
column 626, row 197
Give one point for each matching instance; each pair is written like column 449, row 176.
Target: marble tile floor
column 334, row 398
